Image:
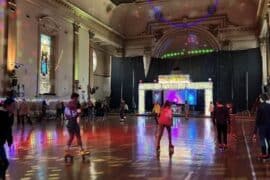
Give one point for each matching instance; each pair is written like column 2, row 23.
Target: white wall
column 102, row 75
column 28, row 45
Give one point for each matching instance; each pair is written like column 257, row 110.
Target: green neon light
column 185, row 53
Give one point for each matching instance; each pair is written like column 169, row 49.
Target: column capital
column 262, row 41
column 147, row 50
column 91, row 34
column 76, row 27
column 12, row 6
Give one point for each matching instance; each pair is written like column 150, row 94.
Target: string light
column 185, row 53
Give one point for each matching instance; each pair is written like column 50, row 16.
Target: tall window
column 94, row 61
column 45, row 63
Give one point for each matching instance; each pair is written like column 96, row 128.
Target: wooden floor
column 127, row 151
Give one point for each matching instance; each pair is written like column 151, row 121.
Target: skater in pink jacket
column 165, row 121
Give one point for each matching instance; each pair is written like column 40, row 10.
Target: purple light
column 158, row 15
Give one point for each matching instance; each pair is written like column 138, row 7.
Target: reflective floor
column 127, row 151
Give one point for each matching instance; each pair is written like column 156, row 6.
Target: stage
column 127, row 151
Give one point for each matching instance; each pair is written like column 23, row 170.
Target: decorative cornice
column 237, row 29
column 70, row 13
column 82, row 14
column 219, row 21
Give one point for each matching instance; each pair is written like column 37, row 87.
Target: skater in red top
column 165, row 121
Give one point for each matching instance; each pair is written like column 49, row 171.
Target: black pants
column 122, row 114
column 222, row 133
column 156, row 118
column 212, row 118
column 21, row 120
column 160, row 133
column 74, row 131
column 3, row 163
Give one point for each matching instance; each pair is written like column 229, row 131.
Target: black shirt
column 6, row 122
column 221, row 115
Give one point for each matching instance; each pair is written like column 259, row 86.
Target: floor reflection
column 127, row 151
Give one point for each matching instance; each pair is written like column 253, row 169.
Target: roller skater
column 165, row 121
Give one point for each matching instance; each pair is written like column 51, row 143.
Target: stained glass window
column 45, row 84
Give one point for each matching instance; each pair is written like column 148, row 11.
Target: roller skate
column 171, row 150
column 85, row 156
column 68, row 157
column 158, row 151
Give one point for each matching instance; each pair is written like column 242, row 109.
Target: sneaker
column 171, row 149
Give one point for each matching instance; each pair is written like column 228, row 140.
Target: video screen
column 180, row 96
column 157, row 97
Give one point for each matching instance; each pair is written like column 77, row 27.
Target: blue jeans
column 3, row 163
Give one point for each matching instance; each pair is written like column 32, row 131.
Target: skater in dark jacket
column 72, row 113
column 222, row 119
column 7, row 118
column 263, row 126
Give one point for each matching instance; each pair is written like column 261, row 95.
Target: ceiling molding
column 81, row 13
column 71, row 14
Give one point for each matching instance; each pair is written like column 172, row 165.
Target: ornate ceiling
column 123, row 17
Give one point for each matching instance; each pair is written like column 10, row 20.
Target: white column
column 264, row 60
column 208, row 97
column 141, row 101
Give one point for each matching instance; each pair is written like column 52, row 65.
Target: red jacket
column 166, row 116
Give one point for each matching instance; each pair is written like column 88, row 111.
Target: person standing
column 221, row 119
column 262, row 124
column 122, row 110
column 72, row 113
column 58, row 108
column 165, row 121
column 44, row 108
column 7, row 119
column 186, row 110
column 91, row 109
column 211, row 110
column 156, row 111
column 24, row 113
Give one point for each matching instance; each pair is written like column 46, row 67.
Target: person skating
column 72, row 112
column 7, row 118
column 165, row 121
column 222, row 120
column 156, row 111
column 262, row 124
column 186, row 106
column 122, row 110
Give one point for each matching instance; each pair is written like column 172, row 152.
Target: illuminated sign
column 174, row 78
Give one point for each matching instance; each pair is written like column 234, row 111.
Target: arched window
column 94, row 61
